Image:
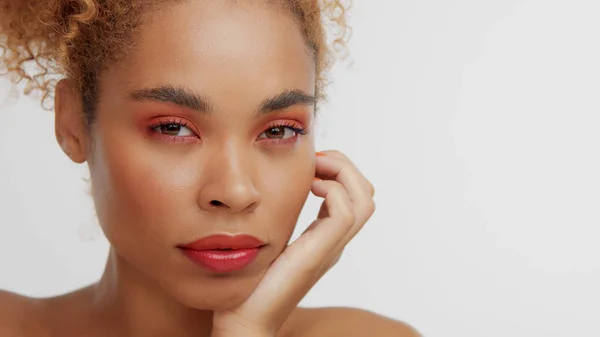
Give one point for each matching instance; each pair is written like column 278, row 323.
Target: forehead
column 246, row 49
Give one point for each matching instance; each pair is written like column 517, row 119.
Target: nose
column 228, row 183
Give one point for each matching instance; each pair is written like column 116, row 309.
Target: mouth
column 223, row 253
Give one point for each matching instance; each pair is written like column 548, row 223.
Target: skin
column 156, row 187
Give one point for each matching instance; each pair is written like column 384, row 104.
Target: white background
column 477, row 122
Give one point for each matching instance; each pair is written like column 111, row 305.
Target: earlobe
column 71, row 133
column 65, row 147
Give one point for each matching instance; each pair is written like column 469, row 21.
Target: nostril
column 216, row 203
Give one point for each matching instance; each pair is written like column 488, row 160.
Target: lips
column 223, row 253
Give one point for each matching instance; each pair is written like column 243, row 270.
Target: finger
column 362, row 202
column 342, row 157
column 323, row 213
column 326, row 233
column 329, row 239
column 353, row 181
column 302, row 263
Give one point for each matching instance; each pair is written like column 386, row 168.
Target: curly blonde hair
column 41, row 41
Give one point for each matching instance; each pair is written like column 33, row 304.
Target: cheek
column 137, row 194
column 285, row 192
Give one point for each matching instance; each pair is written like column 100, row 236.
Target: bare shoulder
column 348, row 322
column 19, row 315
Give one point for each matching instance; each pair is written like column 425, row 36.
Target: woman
column 195, row 118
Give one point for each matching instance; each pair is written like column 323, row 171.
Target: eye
column 173, row 129
column 279, row 132
column 282, row 131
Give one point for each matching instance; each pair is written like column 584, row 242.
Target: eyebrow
column 186, row 98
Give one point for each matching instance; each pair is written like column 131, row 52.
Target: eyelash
column 299, row 130
column 171, row 121
column 296, row 128
column 161, row 123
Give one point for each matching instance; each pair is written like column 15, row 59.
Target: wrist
column 240, row 332
column 232, row 324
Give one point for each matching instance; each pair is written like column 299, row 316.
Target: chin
column 214, row 293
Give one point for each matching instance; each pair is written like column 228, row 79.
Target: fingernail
column 320, row 154
column 317, row 179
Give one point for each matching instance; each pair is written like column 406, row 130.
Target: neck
column 134, row 305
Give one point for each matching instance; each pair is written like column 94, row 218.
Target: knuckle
column 335, row 153
column 337, row 187
column 339, row 155
column 371, row 188
column 345, row 212
column 369, row 208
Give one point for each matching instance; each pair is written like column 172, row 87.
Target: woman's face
column 195, row 136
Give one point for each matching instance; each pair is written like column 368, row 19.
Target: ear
column 69, row 121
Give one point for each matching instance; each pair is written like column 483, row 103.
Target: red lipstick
column 223, row 253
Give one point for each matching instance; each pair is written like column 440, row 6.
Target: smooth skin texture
column 196, row 134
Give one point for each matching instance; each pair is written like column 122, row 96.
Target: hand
column 347, row 206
